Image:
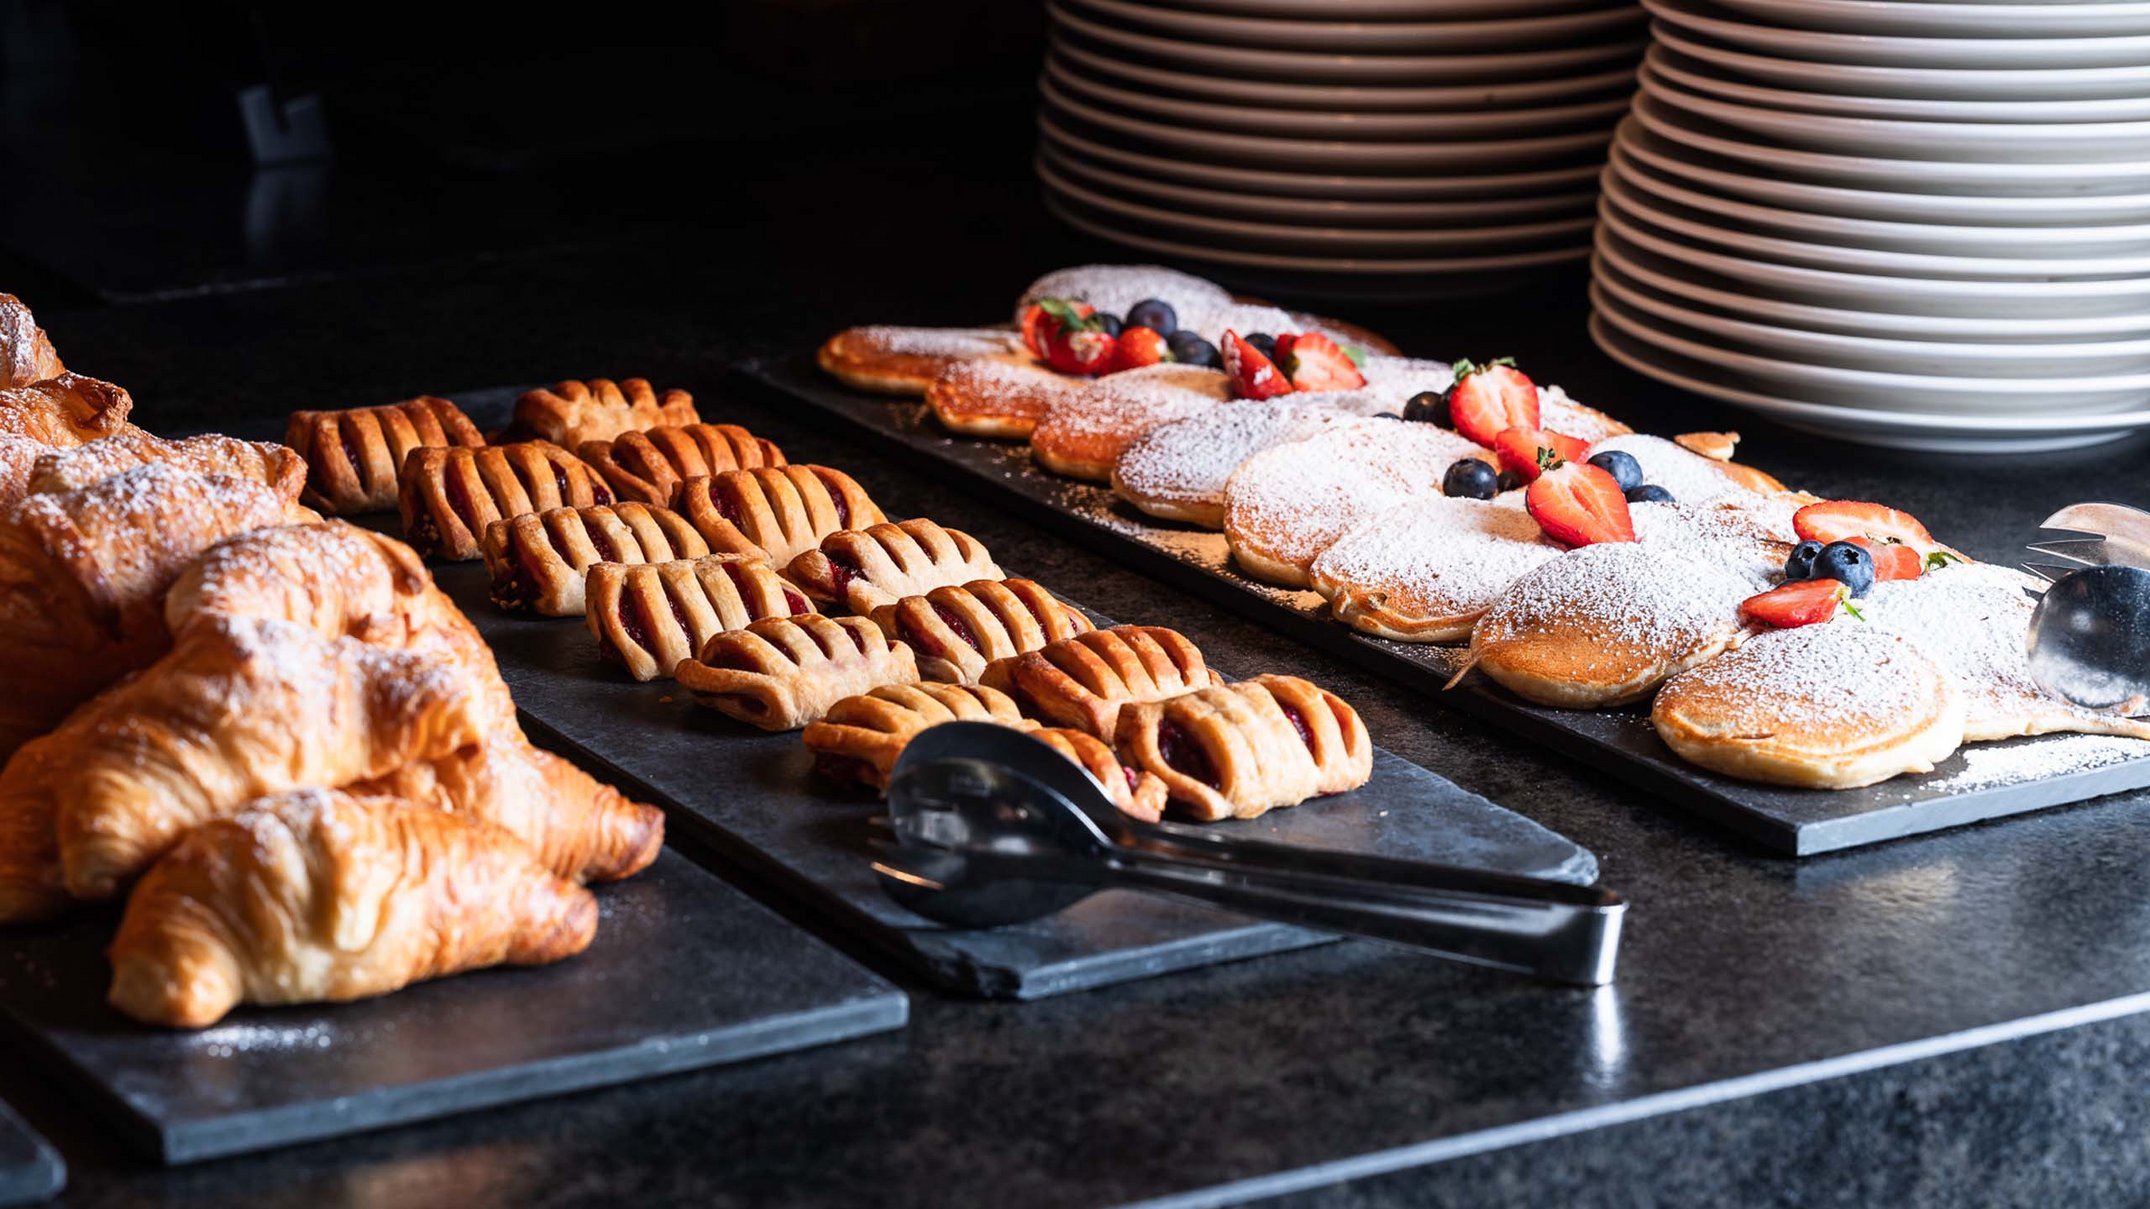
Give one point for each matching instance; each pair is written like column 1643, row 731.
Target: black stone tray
column 686, row 973
column 1794, row 822
column 755, row 798
column 30, row 1171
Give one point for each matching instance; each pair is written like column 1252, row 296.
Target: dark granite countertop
column 1945, row 1020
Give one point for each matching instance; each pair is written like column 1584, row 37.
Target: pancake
column 1085, row 431
column 1428, row 570
column 1200, row 306
column 1177, row 470
column 1002, row 397
column 1690, row 477
column 1559, row 413
column 1747, row 534
column 1974, row 620
column 1286, row 505
column 906, row 360
column 1605, row 625
column 1830, row 706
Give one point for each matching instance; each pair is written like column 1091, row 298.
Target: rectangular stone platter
column 30, row 1170
column 686, row 973
column 1793, row 822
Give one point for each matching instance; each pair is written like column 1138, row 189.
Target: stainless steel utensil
column 2090, row 636
column 993, row 827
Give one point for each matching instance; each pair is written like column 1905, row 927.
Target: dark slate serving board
column 30, row 1171
column 1982, row 782
column 755, row 798
column 686, row 973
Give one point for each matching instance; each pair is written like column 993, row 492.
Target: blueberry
column 1848, row 563
column 1622, row 465
column 1427, row 407
column 1471, row 479
column 1799, row 566
column 1264, row 343
column 1154, row 313
column 1386, row 415
column 1107, row 322
column 1190, row 349
column 1510, row 480
column 1649, row 493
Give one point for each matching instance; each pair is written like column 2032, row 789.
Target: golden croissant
column 26, row 355
column 18, row 461
column 65, row 410
column 325, row 896
column 262, row 462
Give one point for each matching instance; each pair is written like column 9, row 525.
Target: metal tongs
column 993, row 827
column 2090, row 637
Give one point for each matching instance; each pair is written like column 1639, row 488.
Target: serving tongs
column 992, row 827
column 2090, row 636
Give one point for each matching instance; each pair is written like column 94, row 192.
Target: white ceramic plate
column 1348, row 98
column 1341, row 186
column 1700, row 77
column 1546, row 30
column 1313, row 67
column 2002, row 53
column 1339, row 125
column 2022, row 433
column 1927, row 19
column 1708, row 171
column 1382, row 10
column 2020, row 84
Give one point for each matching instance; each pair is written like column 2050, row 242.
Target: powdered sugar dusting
column 953, row 342
column 1819, row 676
column 1439, row 557
column 1188, row 461
column 1564, row 415
column 1741, row 536
column 1644, row 600
column 1123, row 406
column 1116, row 287
column 2038, row 760
column 1690, row 477
column 1295, row 500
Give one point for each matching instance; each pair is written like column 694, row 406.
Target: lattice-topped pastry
column 777, row 512
column 864, row 569
column 262, row 462
column 63, row 411
column 569, row 413
column 957, row 630
column 26, row 355
column 1136, row 792
column 353, row 457
column 537, row 560
column 1083, row 681
column 648, row 618
column 649, row 467
column 859, row 738
column 1240, row 750
column 785, row 672
column 450, row 497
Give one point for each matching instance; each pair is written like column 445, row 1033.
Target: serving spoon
column 2090, row 636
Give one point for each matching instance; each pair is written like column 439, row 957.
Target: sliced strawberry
column 1139, row 346
column 1807, row 602
column 1486, row 400
column 1845, row 520
column 1042, row 317
column 1079, row 348
column 1314, row 362
column 1530, row 452
column 1252, row 375
column 1892, row 560
column 1578, row 504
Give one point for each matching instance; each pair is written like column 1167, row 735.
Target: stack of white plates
column 1393, row 144
column 1906, row 222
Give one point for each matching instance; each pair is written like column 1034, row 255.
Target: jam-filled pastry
column 777, row 512
column 785, row 672
column 859, row 738
column 569, row 413
column 26, row 354
column 649, row 467
column 1002, row 397
column 1083, row 681
column 1136, row 792
column 1240, row 750
column 269, row 464
column 537, row 560
column 647, row 618
column 864, row 569
column 353, row 457
column 64, row 411
column 957, row 630
column 905, row 360
column 450, row 497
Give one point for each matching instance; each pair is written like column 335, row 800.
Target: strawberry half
column 1892, row 560
column 1252, row 375
column 1530, row 452
column 1487, row 400
column 1080, row 348
column 1578, row 504
column 1043, row 317
column 1851, row 520
column 1807, row 602
column 1314, row 362
column 1139, row 346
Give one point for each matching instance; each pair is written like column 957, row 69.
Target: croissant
column 859, row 738
column 537, row 560
column 864, row 569
column 783, row 673
column 67, row 409
column 1239, row 750
column 1137, row 793
column 1082, row 682
column 776, row 512
column 647, row 618
column 26, row 355
column 569, row 413
column 18, row 460
column 956, row 631
column 270, row 465
column 353, row 456
column 449, row 497
column 650, row 466
column 325, row 896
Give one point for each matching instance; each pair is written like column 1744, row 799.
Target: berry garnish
column 1387, row 415
column 1314, row 362
column 1578, row 504
column 1189, row 348
column 1895, row 560
column 1842, row 520
column 1077, row 348
column 1620, row 464
column 1155, row 314
column 1808, row 602
column 1649, row 493
column 1799, row 564
column 1042, row 317
column 1139, row 346
column 1489, row 399
column 1471, row 479
column 1849, row 564
column 1510, row 480
column 1530, row 452
column 1108, row 323
column 1264, row 343
column 1427, row 407
column 1253, row 375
